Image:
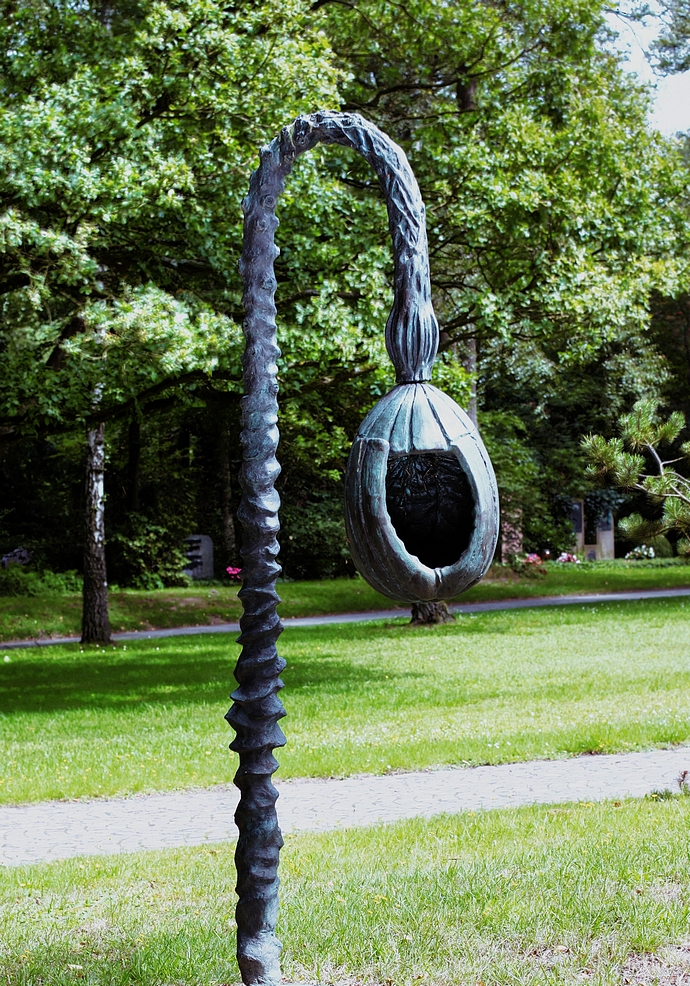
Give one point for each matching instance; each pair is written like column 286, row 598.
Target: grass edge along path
column 456, row 609
column 29, row 618
column 361, row 698
column 593, row 892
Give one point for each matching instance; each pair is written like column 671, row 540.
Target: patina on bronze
column 421, row 501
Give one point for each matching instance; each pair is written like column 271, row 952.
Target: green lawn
column 60, row 615
column 562, row 895
column 490, row 688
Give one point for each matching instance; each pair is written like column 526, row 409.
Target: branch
column 120, row 410
column 13, row 425
column 657, row 457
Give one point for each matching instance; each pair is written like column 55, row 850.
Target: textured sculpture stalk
column 424, row 416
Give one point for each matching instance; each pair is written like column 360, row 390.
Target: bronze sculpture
column 421, row 499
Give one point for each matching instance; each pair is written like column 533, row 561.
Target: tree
column 554, row 211
column 624, row 462
column 127, row 133
column 553, row 214
column 671, row 50
column 95, row 627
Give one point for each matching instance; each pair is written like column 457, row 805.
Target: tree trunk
column 426, row 614
column 133, row 465
column 95, row 628
column 228, row 520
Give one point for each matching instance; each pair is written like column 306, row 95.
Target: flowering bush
column 532, row 559
column 531, row 565
column 234, row 574
column 566, row 557
column 640, row 552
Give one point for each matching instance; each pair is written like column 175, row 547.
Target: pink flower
column 234, row 573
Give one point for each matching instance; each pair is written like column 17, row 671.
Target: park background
column 558, row 229
column 558, row 233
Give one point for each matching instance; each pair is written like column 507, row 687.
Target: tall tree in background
column 95, row 627
column 671, row 50
column 125, row 145
column 553, row 211
column 126, row 136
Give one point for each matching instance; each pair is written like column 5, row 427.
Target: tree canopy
column 127, row 136
column 671, row 50
column 554, row 211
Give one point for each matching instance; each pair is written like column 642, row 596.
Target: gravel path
column 378, row 614
column 59, row 829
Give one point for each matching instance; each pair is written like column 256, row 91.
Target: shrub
column 312, row 541
column 532, row 566
column 566, row 558
column 662, row 547
column 15, row 580
column 640, row 553
column 149, row 556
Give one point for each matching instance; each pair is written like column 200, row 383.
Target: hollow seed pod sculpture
column 421, row 505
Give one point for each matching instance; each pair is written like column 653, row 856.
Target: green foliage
column 671, row 49
column 553, row 212
column 523, row 482
column 549, row 198
column 312, row 540
column 16, row 580
column 662, row 546
column 127, row 136
column 639, row 529
column 644, row 431
column 150, row 556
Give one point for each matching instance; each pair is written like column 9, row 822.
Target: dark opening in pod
column 431, row 505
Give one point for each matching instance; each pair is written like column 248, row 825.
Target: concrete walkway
column 378, row 614
column 59, row 829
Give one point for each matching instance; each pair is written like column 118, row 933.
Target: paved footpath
column 61, row 829
column 378, row 614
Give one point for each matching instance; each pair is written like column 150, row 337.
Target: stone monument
column 199, row 551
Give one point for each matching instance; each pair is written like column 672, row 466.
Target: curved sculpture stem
column 412, row 341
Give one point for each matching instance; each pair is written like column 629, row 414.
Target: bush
column 662, row 547
column 641, row 553
column 658, row 547
column 312, row 541
column 15, row 580
column 149, row 556
column 531, row 566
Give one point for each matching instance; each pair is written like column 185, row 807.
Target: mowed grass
column 594, row 893
column 25, row 617
column 491, row 688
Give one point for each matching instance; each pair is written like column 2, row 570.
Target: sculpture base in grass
column 429, row 614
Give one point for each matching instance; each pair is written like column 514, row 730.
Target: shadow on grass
column 187, row 672
column 171, row 676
